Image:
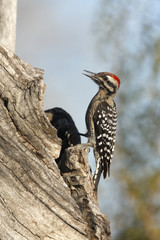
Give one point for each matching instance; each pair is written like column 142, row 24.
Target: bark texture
column 8, row 10
column 37, row 201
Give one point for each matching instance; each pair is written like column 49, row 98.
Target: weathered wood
column 8, row 11
column 79, row 179
column 36, row 202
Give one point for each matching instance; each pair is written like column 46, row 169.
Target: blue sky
column 57, row 36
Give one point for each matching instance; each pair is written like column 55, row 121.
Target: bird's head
column 106, row 81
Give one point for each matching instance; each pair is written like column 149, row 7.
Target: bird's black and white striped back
column 105, row 119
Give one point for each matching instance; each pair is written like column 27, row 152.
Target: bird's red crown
column 115, row 77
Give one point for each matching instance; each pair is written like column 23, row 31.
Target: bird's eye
column 109, row 82
column 106, row 78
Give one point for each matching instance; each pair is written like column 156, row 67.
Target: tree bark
column 8, row 10
column 36, row 201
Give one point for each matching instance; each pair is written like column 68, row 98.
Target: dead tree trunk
column 36, row 201
column 8, row 10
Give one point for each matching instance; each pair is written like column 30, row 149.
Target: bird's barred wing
column 105, row 121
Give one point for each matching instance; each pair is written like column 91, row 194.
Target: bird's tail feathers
column 97, row 175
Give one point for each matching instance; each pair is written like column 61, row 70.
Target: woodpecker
column 101, row 121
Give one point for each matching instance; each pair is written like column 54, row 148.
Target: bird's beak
column 91, row 75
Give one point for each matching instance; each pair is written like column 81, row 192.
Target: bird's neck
column 104, row 95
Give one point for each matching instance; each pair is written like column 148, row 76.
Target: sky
column 58, row 36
